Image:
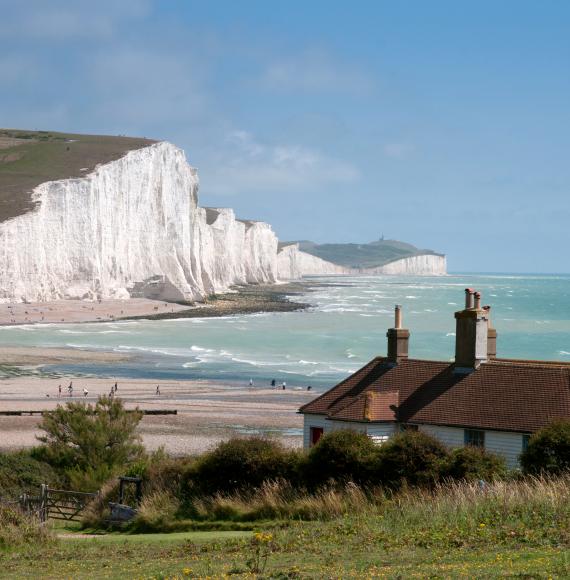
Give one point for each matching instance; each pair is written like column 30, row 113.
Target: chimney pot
column 469, row 292
column 478, row 300
column 398, row 316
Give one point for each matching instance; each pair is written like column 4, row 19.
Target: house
column 478, row 399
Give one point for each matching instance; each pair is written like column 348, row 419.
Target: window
column 525, row 440
column 474, row 437
column 315, row 434
column 407, row 427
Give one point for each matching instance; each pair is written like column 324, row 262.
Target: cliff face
column 131, row 227
column 423, row 265
column 295, row 263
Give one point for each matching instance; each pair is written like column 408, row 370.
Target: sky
column 441, row 123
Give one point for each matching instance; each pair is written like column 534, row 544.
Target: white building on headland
column 477, row 400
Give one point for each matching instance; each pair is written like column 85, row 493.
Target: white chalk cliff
column 131, row 227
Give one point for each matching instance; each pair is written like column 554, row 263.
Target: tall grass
column 530, row 510
column 279, row 500
column 17, row 529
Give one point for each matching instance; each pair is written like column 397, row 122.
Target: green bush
column 21, row 473
column 341, row 456
column 472, row 463
column 240, row 464
column 411, row 458
column 548, row 450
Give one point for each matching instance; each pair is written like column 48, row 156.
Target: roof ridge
column 338, row 385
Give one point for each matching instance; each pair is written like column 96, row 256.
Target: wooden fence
column 57, row 504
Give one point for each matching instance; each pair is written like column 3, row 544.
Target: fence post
column 44, row 514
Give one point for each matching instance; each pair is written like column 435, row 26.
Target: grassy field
column 516, row 529
column 344, row 548
column 28, row 158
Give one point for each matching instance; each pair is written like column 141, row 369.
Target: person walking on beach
column 284, row 385
column 157, row 390
column 115, row 387
column 85, row 391
column 251, row 382
column 273, row 382
column 70, row 390
column 59, row 392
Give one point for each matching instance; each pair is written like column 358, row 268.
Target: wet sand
column 65, row 311
column 207, row 412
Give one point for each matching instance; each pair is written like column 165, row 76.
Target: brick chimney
column 398, row 338
column 471, row 348
column 491, row 335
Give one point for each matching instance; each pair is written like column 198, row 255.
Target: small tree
column 89, row 442
column 548, row 450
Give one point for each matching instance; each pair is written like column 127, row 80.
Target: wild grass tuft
column 18, row 529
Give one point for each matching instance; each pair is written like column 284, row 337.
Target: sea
column 343, row 329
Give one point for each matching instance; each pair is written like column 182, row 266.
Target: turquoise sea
column 341, row 332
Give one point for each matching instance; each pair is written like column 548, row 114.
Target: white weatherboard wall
column 379, row 432
column 503, row 443
column 130, row 226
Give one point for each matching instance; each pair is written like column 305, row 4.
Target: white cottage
column 477, row 400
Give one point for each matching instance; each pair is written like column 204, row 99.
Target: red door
column 316, row 434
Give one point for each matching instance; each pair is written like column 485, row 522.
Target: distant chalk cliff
column 295, row 263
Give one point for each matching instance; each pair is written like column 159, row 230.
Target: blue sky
column 441, row 123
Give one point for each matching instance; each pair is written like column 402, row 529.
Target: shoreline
column 243, row 300
column 207, row 411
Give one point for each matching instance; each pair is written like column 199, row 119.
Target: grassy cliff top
column 28, row 158
column 369, row 255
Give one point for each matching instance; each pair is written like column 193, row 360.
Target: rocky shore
column 244, row 300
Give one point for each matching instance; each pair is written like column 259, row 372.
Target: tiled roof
column 505, row 394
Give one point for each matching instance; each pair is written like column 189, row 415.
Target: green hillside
column 28, row 158
column 368, row 255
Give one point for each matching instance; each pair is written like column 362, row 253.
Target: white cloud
column 65, row 19
column 315, row 71
column 398, row 150
column 247, row 165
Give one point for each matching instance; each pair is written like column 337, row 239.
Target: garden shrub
column 341, row 456
column 472, row 463
column 240, row 464
column 548, row 450
column 411, row 458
